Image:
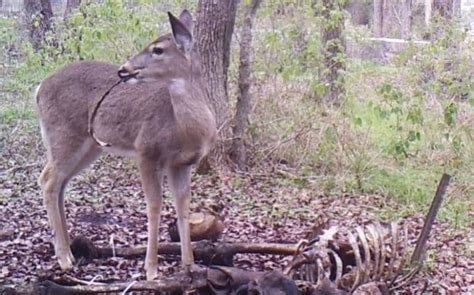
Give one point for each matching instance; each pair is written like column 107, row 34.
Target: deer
column 157, row 114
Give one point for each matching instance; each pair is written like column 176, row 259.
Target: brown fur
column 163, row 121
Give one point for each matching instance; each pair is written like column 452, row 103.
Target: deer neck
column 190, row 107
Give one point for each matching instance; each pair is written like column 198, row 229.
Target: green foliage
column 10, row 114
column 293, row 48
column 443, row 68
column 7, row 32
column 404, row 116
column 109, row 31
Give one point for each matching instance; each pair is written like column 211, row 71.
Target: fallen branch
column 210, row 252
column 212, row 280
column 179, row 282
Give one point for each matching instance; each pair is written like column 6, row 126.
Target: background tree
column 359, row 11
column 447, row 8
column 405, row 18
column 332, row 48
column 392, row 18
column 444, row 9
column 238, row 151
column 213, row 34
column 377, row 22
column 38, row 16
column 428, row 12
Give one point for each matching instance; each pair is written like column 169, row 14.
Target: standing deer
column 157, row 114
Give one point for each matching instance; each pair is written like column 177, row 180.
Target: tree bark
column 38, row 16
column 213, row 35
column 70, row 6
column 238, row 151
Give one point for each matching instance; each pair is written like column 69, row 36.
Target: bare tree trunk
column 388, row 18
column 405, row 18
column 38, row 16
column 213, row 35
column 333, row 49
column 238, row 152
column 70, row 6
column 214, row 28
column 377, row 24
column 457, row 8
column 392, row 18
column 428, row 13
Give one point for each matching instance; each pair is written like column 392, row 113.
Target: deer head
column 159, row 59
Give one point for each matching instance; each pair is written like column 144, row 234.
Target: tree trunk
column 392, row 18
column 428, row 13
column 238, row 151
column 457, row 8
column 388, row 18
column 213, row 35
column 70, row 6
column 358, row 9
column 333, row 50
column 405, row 18
column 38, row 16
column 445, row 8
column 377, row 24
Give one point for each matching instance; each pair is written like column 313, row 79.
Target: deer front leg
column 180, row 184
column 53, row 186
column 151, row 183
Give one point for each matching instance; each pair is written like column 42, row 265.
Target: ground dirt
column 106, row 204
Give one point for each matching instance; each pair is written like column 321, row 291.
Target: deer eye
column 157, row 50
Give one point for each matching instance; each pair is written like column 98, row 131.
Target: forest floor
column 106, row 204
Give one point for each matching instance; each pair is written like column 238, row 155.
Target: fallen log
column 178, row 283
column 218, row 253
column 212, row 280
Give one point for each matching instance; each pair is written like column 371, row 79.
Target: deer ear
column 187, row 20
column 182, row 36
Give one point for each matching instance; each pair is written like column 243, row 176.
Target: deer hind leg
column 62, row 165
column 53, row 184
column 151, row 176
column 180, row 184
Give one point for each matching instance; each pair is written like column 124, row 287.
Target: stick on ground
column 417, row 257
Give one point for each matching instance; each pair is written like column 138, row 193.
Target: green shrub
column 108, row 31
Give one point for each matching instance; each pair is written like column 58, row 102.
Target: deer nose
column 127, row 71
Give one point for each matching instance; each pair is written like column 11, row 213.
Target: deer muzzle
column 127, row 72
